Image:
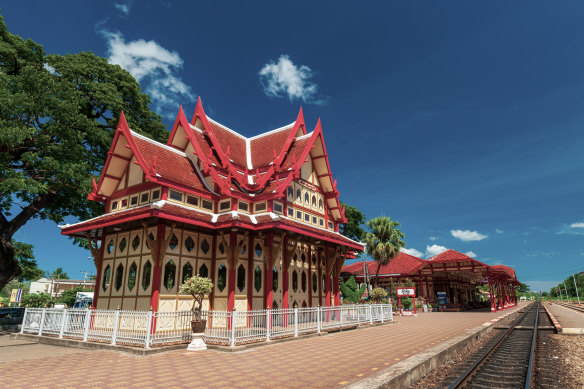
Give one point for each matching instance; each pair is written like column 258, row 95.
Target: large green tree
column 353, row 229
column 58, row 115
column 384, row 241
column 30, row 270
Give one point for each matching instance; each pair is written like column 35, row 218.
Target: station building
column 259, row 216
column 451, row 272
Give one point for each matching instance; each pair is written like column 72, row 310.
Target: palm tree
column 384, row 241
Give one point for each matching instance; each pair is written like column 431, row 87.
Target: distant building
column 56, row 287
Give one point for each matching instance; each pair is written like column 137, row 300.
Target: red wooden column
column 269, row 275
column 285, row 265
column 491, row 294
column 319, row 281
column 309, row 275
column 98, row 273
column 231, row 276
column 157, row 257
column 250, row 273
column 327, row 278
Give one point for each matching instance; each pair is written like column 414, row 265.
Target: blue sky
column 462, row 120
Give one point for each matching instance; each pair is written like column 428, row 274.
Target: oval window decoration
column 295, row 281
column 222, row 277
column 146, row 271
column 275, row 279
column 110, row 246
column 123, row 244
column 203, row 271
column 150, row 237
column 135, row 243
column 258, row 249
column 221, row 248
column 205, row 246
column 243, row 249
column 169, row 275
column 241, row 278
column 303, row 281
column 314, row 282
column 119, row 277
column 257, row 278
column 189, row 244
column 106, row 277
column 132, row 276
column 173, row 242
column 187, row 272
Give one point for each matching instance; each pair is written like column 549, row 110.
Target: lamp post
column 566, row 289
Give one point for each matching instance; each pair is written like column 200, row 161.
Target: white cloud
column 471, row 254
column 467, row 235
column 284, row 78
column 498, row 231
column 434, row 250
column 577, row 225
column 154, row 67
column 433, row 238
column 412, row 251
column 124, row 7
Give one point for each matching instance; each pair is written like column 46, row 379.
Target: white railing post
column 268, row 324
column 63, row 323
column 370, row 314
column 341, row 313
column 318, row 319
column 116, row 325
column 42, row 321
column 148, row 328
column 23, row 321
column 86, row 324
column 382, row 313
column 233, row 314
column 358, row 318
column 295, row 321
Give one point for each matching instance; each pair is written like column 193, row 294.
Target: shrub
column 197, row 287
column 351, row 291
column 407, row 302
column 378, row 295
column 37, row 300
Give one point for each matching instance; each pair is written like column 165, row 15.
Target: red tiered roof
column 402, row 265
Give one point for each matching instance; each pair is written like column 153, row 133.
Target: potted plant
column 197, row 287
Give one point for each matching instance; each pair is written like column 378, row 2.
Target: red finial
column 94, row 185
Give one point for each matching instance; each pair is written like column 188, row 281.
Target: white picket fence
column 148, row 329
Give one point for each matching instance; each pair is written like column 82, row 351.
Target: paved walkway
column 568, row 318
column 329, row 361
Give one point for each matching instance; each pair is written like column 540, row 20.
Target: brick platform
column 329, row 361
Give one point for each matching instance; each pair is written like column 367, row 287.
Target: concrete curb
column 556, row 323
column 408, row 372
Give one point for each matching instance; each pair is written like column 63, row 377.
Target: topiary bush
column 407, row 302
column 378, row 295
column 197, row 287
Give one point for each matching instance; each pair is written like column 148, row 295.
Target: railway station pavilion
column 259, row 216
column 453, row 273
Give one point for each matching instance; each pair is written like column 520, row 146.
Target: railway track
column 509, row 359
column 572, row 306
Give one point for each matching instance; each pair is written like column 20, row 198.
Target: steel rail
column 530, row 367
column 467, row 375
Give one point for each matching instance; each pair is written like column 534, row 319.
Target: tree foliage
column 384, row 241
column 68, row 297
column 351, row 291
column 58, row 115
column 569, row 285
column 59, row 274
column 23, row 252
column 355, row 219
column 37, row 300
column 523, row 288
column 197, row 287
column 378, row 294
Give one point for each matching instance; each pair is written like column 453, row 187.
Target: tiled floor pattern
column 322, row 362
